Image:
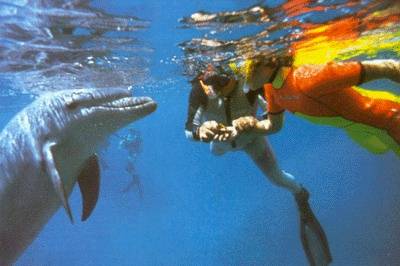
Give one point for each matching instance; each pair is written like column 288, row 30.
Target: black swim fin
column 312, row 234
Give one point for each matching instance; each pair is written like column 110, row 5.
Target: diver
column 326, row 94
column 220, row 113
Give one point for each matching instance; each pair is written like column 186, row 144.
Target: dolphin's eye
column 72, row 105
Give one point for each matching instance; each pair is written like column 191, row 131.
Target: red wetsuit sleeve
column 319, row 80
column 272, row 106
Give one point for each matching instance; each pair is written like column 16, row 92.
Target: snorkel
column 209, row 90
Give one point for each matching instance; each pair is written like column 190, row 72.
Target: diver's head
column 216, row 82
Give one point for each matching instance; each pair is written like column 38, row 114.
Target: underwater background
column 165, row 200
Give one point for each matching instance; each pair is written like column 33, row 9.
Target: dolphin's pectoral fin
column 55, row 177
column 89, row 184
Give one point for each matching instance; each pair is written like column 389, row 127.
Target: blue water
column 197, row 209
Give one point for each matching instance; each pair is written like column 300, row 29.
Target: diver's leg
column 219, row 148
column 312, row 235
column 262, row 155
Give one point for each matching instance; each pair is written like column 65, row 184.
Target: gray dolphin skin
column 47, row 148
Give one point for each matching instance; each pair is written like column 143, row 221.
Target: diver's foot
column 313, row 238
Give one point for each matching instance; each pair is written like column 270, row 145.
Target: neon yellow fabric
column 321, row 49
column 373, row 139
column 280, row 77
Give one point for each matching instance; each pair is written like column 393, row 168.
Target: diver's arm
column 379, row 69
column 272, row 124
column 197, row 101
column 193, row 124
column 198, row 131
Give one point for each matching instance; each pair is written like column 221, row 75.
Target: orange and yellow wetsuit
column 326, row 94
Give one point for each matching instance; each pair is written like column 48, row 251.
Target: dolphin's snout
column 93, row 97
column 136, row 107
column 145, row 101
column 145, row 104
column 110, row 101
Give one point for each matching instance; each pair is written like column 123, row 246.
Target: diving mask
column 213, row 82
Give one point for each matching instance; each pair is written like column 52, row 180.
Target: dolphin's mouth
column 129, row 103
column 112, row 100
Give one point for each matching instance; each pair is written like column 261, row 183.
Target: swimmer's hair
column 278, row 60
column 275, row 60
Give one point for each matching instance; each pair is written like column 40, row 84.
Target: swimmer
column 326, row 94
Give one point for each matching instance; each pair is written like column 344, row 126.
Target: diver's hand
column 226, row 133
column 244, row 123
column 208, row 130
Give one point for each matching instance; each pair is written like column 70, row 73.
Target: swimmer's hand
column 250, row 124
column 245, row 123
column 208, row 130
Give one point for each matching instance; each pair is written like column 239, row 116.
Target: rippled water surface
column 51, row 45
column 167, row 201
column 312, row 31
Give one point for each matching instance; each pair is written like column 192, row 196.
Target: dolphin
column 48, row 147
